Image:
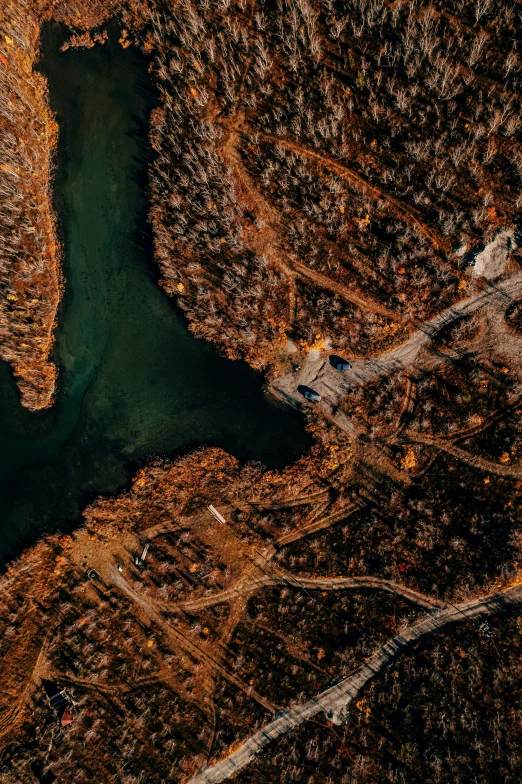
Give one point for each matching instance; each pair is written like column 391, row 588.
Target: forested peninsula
column 334, row 196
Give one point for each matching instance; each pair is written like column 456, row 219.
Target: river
column 133, row 380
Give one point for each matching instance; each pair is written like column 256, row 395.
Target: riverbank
column 30, row 271
column 133, row 381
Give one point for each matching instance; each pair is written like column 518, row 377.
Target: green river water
column 133, row 381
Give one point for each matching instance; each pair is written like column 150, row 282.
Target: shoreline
column 127, row 267
column 32, row 366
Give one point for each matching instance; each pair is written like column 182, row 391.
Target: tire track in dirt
column 187, row 645
column 334, row 385
column 15, row 713
column 409, row 214
column 318, row 525
column 266, row 241
column 313, row 584
column 489, row 466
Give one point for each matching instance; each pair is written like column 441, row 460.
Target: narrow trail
column 474, row 461
column 342, row 291
column 409, row 214
column 495, row 416
column 299, row 501
column 292, row 302
column 250, row 57
column 319, row 509
column 318, row 525
column 187, row 645
column 157, row 530
column 265, row 240
column 7, row 720
column 408, row 406
column 313, row 584
column 334, row 702
column 295, row 649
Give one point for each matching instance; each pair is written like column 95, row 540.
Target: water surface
column 133, row 381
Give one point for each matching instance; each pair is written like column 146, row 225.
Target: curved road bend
column 334, row 701
column 313, row 584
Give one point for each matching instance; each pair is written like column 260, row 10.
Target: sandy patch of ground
column 491, row 262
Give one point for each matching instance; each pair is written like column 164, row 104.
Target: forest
column 330, row 179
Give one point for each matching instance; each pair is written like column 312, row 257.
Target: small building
column 60, row 702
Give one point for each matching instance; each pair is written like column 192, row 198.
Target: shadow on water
column 133, row 380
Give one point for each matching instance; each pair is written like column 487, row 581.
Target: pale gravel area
column 491, row 262
column 332, row 384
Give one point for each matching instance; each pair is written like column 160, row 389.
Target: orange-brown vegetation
column 323, row 170
column 30, row 258
column 172, row 662
column 420, row 720
column 310, row 196
column 335, row 153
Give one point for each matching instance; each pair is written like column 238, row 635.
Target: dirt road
column 312, row 583
column 334, row 701
column 332, row 385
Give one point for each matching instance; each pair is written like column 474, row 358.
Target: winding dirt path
column 490, row 419
column 474, row 461
column 182, row 642
column 265, row 240
column 409, row 404
column 310, row 527
column 313, row 584
column 299, row 501
column 408, row 214
column 333, row 702
column 342, row 291
column 40, row 670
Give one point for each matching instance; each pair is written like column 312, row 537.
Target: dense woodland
column 325, row 175
column 339, row 154
column 449, row 712
column 29, row 265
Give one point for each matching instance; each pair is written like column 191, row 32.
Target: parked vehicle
column 315, row 397
column 339, row 363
